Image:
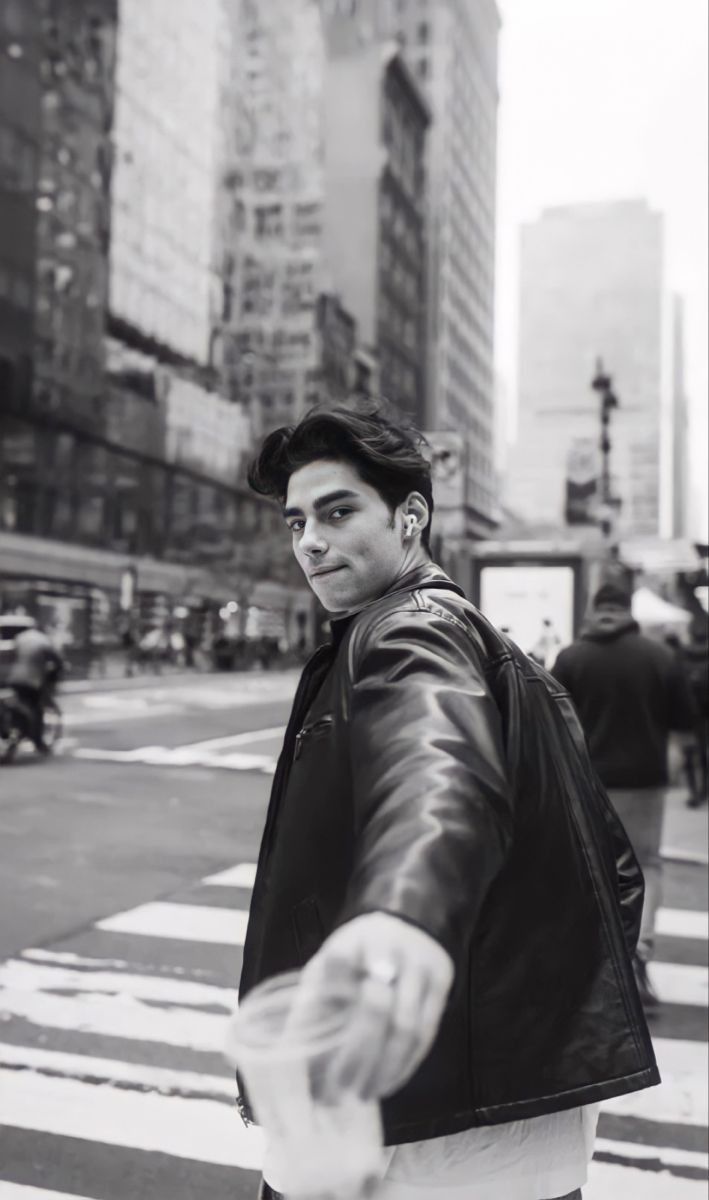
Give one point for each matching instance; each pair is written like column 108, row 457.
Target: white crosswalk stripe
column 101, row 1051
column 22, row 1191
column 25, row 975
column 202, row 1130
column 187, row 922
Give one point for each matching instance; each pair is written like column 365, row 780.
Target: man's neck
column 421, row 559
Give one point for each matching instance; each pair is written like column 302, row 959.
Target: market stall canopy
column 651, row 609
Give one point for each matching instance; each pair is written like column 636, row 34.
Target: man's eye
column 296, row 526
column 338, row 513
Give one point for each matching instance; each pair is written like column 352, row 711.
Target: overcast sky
column 606, row 100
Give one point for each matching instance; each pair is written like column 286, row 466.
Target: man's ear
column 416, row 513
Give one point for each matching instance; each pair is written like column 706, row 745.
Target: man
column 35, row 669
column 695, row 660
column 630, row 692
column 547, row 645
column 437, row 837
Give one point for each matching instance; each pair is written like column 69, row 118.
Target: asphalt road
column 83, row 837
column 125, row 871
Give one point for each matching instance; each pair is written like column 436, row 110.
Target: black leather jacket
column 431, row 771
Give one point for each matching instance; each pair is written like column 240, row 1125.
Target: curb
column 137, row 682
column 694, row 858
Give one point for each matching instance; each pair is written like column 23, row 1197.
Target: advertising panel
column 533, row 603
column 583, row 470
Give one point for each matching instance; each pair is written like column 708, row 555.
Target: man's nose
column 313, row 541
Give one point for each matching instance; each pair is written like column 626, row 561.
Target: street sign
column 583, row 472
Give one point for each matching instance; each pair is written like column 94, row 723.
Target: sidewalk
column 115, row 683
column 115, row 678
column 686, row 833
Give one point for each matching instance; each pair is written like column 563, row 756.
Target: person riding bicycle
column 34, row 672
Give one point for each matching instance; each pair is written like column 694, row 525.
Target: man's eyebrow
column 342, row 494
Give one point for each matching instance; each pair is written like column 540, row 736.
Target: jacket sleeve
column 432, row 805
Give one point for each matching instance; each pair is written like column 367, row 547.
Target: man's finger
column 401, row 1053
column 351, row 1064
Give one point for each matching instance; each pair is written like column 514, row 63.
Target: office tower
column 590, row 286
column 119, row 454
column 287, row 338
column 73, row 202
column 451, row 48
column 20, row 141
column 680, row 426
column 374, row 224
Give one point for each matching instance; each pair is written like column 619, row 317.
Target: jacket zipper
column 318, row 726
column 285, row 758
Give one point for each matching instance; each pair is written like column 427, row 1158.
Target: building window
column 269, row 220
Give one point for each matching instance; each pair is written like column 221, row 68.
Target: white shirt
column 541, row 1158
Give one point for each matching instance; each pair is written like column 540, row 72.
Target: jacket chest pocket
column 312, row 732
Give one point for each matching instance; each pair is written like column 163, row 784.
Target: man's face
column 344, row 538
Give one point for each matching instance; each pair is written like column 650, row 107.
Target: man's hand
column 398, row 978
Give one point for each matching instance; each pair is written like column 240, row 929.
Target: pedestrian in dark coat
column 695, row 660
column 630, row 693
column 437, row 838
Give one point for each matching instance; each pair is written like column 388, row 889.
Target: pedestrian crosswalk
column 254, row 751
column 113, row 1084
column 202, row 693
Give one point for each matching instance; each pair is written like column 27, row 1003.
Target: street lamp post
column 602, row 383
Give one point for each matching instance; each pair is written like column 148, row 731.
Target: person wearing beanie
column 630, row 693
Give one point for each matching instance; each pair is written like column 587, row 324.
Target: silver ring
column 383, row 970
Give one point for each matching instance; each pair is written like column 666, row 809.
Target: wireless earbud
column 410, row 525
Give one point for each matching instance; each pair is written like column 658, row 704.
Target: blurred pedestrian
column 695, row 656
column 546, row 647
column 630, row 693
column 35, row 671
column 437, row 838
column 128, row 635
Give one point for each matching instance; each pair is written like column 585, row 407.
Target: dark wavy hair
column 385, row 454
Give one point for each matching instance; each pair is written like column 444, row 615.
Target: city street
column 126, row 865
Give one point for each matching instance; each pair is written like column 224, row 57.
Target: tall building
column 74, row 203
column 591, row 286
column 680, row 426
column 20, row 141
column 63, row 56
column 374, row 223
column 167, row 138
column 120, row 453
column 451, row 48
column 286, row 338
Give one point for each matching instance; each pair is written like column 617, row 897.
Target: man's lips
column 326, row 571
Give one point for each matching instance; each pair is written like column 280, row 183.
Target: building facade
column 591, row 285
column 276, row 271
column 168, row 137
column 679, row 427
column 451, row 48
column 121, row 452
column 374, row 223
column 20, row 144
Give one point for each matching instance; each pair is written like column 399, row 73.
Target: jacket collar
column 607, row 624
column 427, row 575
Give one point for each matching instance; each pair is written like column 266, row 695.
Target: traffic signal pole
column 603, row 384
